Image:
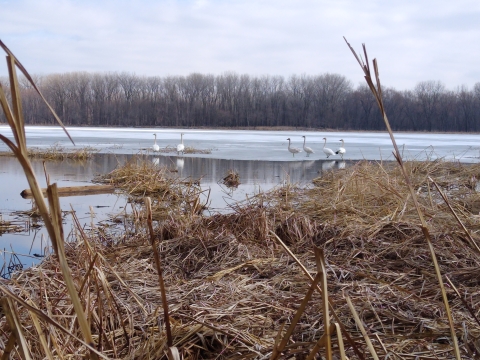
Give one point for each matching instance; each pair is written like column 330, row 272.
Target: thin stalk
column 16, row 326
column 377, row 93
column 362, row 329
column 330, row 302
column 277, row 350
column 467, row 233
column 148, row 204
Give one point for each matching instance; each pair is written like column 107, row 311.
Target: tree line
column 327, row 101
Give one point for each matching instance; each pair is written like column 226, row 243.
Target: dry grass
column 171, row 196
column 188, row 150
column 370, row 195
column 230, row 286
column 11, row 226
column 231, row 179
column 58, row 152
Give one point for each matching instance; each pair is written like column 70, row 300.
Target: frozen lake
column 260, row 157
column 259, row 145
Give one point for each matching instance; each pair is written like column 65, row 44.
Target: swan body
column 341, row 150
column 292, row 149
column 155, row 146
column 306, row 148
column 180, row 147
column 326, row 150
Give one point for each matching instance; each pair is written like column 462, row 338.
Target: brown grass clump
column 370, row 195
column 9, row 226
column 192, row 150
column 139, row 177
column 58, row 152
column 231, row 179
column 188, row 150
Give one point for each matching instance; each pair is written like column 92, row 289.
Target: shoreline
column 254, row 128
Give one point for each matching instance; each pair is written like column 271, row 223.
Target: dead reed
column 230, row 286
column 51, row 215
column 58, row 152
column 9, row 226
column 231, row 179
column 139, row 177
column 188, row 150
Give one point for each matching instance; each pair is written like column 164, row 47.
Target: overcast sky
column 413, row 41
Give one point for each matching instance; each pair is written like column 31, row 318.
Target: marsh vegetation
column 369, row 261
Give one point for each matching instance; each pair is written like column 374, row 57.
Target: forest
column 231, row 100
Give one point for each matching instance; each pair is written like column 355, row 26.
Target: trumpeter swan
column 326, row 150
column 293, row 150
column 155, row 146
column 306, row 148
column 341, row 150
column 180, row 147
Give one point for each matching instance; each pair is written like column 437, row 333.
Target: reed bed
column 58, row 152
column 188, row 150
column 231, row 286
column 10, row 226
column 171, row 195
column 370, row 195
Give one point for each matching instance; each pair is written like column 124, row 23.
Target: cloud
column 413, row 40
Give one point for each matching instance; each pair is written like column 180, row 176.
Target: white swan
column 326, row 150
column 155, row 147
column 341, row 150
column 180, row 147
column 293, row 150
column 306, row 148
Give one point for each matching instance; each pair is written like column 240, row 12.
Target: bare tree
column 428, row 95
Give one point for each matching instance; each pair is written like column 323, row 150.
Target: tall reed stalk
column 52, row 216
column 376, row 90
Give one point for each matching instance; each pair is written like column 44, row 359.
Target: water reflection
column 254, row 176
column 327, row 165
column 180, row 164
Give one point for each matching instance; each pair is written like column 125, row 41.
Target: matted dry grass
column 231, row 286
column 172, row 196
column 58, row 152
column 188, row 150
column 10, row 226
column 231, row 179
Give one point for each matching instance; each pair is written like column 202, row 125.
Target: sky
column 413, row 41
